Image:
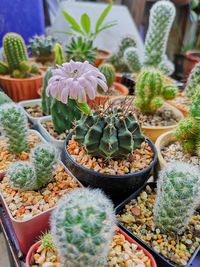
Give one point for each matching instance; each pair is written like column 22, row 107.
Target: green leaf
column 102, row 17
column 106, row 26
column 72, row 22
column 85, row 22
column 64, row 32
column 84, row 108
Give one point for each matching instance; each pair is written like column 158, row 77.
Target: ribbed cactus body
column 109, row 72
column 193, row 82
column 4, row 98
column 4, row 69
column 45, row 159
column 15, row 126
column 109, row 135
column 178, row 193
column 162, row 15
column 132, row 59
column 15, row 50
column 82, row 226
column 46, row 100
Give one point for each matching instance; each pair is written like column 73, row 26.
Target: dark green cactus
column 109, row 134
column 46, row 100
column 4, row 69
column 109, row 72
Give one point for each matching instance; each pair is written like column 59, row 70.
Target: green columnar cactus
column 178, row 193
column 4, row 69
column 126, row 42
column 15, row 127
column 193, row 82
column 151, row 92
column 109, row 134
column 82, row 226
column 45, row 159
column 162, row 15
column 109, row 72
column 46, row 100
column 132, row 59
column 118, row 63
column 195, row 106
column 4, row 98
column 22, row 176
column 166, row 66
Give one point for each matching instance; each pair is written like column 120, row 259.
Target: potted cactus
column 183, row 143
column 19, row 77
column 164, row 219
column 87, row 204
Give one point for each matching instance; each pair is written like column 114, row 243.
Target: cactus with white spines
column 193, row 82
column 82, row 227
column 126, row 42
column 132, row 59
column 178, row 194
column 166, row 66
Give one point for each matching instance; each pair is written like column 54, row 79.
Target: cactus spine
column 46, row 100
column 82, row 227
column 15, row 127
column 193, row 82
column 4, row 98
column 166, row 66
column 162, row 15
column 109, row 72
column 4, row 69
column 132, row 59
column 111, row 134
column 150, row 90
column 126, row 42
column 178, row 193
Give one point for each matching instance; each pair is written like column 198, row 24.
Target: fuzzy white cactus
column 166, row 66
column 132, row 59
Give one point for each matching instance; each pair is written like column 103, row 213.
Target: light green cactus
column 126, row 42
column 109, row 72
column 82, row 226
column 166, row 66
column 4, row 98
column 178, row 193
column 193, row 82
column 132, row 59
column 47, row 241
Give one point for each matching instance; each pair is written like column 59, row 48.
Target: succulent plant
column 109, row 72
column 166, row 66
column 118, row 62
column 47, row 241
column 162, row 15
column 22, row 176
column 42, row 47
column 132, row 59
column 151, row 92
column 194, row 109
column 45, row 159
column 126, row 42
column 4, row 98
column 193, row 82
column 4, row 69
column 15, row 126
column 82, row 226
column 113, row 133
column 81, row 49
column 178, row 193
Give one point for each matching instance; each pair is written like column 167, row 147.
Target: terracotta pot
column 118, row 77
column 191, row 58
column 30, row 253
column 183, row 108
column 162, row 141
column 102, row 99
column 21, row 89
column 181, row 2
column 102, row 55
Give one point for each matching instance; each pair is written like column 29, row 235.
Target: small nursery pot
column 30, row 253
column 21, row 89
column 102, row 55
column 183, row 108
column 191, row 58
column 118, row 187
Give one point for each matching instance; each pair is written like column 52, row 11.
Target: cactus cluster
column 193, row 82
column 35, row 175
column 17, row 63
column 82, row 227
column 150, row 91
column 132, row 59
column 113, row 133
column 178, row 193
column 166, row 66
column 14, row 125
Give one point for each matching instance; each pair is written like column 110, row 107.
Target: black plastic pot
column 161, row 260
column 129, row 82
column 117, row 187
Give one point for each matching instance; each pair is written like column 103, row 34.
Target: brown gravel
column 177, row 249
column 174, row 152
column 34, row 111
column 48, row 125
column 27, row 204
column 138, row 160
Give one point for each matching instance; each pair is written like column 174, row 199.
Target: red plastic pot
column 34, row 248
column 191, row 58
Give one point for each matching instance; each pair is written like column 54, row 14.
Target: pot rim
column 7, row 77
column 189, row 55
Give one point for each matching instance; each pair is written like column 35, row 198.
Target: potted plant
column 84, row 29
column 163, row 218
column 19, row 77
column 87, row 204
column 182, row 144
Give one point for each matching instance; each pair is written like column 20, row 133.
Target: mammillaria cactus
column 178, row 193
column 193, row 82
column 4, row 98
column 15, row 126
column 109, row 72
column 151, row 92
column 126, row 42
column 118, row 63
column 132, row 59
column 166, row 66
column 47, row 241
column 113, row 133
column 162, row 15
column 82, row 226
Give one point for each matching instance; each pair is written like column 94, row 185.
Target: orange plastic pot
column 21, row 89
column 118, row 77
column 182, row 107
column 102, row 55
column 191, row 58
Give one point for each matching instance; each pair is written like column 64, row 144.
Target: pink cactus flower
column 76, row 80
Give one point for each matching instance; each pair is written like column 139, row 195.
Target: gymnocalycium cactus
column 113, row 133
column 15, row 127
column 132, row 59
column 162, row 15
column 193, row 82
column 35, row 175
column 109, row 72
column 82, row 227
column 178, row 193
column 151, row 92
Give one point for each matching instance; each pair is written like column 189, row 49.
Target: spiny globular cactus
column 109, row 72
column 132, row 59
column 82, row 226
column 193, row 82
column 47, row 241
column 4, row 69
column 151, row 92
column 15, row 127
column 178, row 193
column 4, row 98
column 126, row 42
column 113, row 133
column 194, row 109
column 166, row 66
column 162, row 15
column 45, row 159
column 118, row 63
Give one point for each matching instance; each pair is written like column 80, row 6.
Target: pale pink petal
column 64, row 95
column 102, row 84
column 91, row 92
